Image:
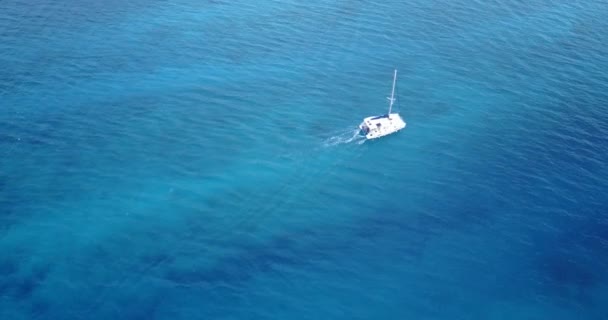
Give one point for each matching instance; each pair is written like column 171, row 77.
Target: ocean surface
column 182, row 159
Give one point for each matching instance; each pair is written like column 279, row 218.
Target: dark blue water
column 195, row 160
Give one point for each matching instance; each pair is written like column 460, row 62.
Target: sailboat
column 379, row 126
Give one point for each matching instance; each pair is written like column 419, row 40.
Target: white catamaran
column 379, row 126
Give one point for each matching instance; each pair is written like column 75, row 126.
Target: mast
column 392, row 98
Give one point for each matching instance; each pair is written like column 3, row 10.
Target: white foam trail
column 343, row 137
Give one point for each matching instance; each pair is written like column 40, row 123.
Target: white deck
column 379, row 126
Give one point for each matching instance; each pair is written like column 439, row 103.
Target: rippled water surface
column 190, row 159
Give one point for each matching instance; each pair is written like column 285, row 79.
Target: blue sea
column 182, row 159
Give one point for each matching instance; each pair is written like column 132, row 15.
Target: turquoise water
column 196, row 160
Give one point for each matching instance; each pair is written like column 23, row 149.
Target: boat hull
column 380, row 126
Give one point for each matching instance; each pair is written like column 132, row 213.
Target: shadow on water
column 18, row 282
column 304, row 248
column 572, row 262
column 299, row 248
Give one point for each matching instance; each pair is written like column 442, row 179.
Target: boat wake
column 344, row 137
